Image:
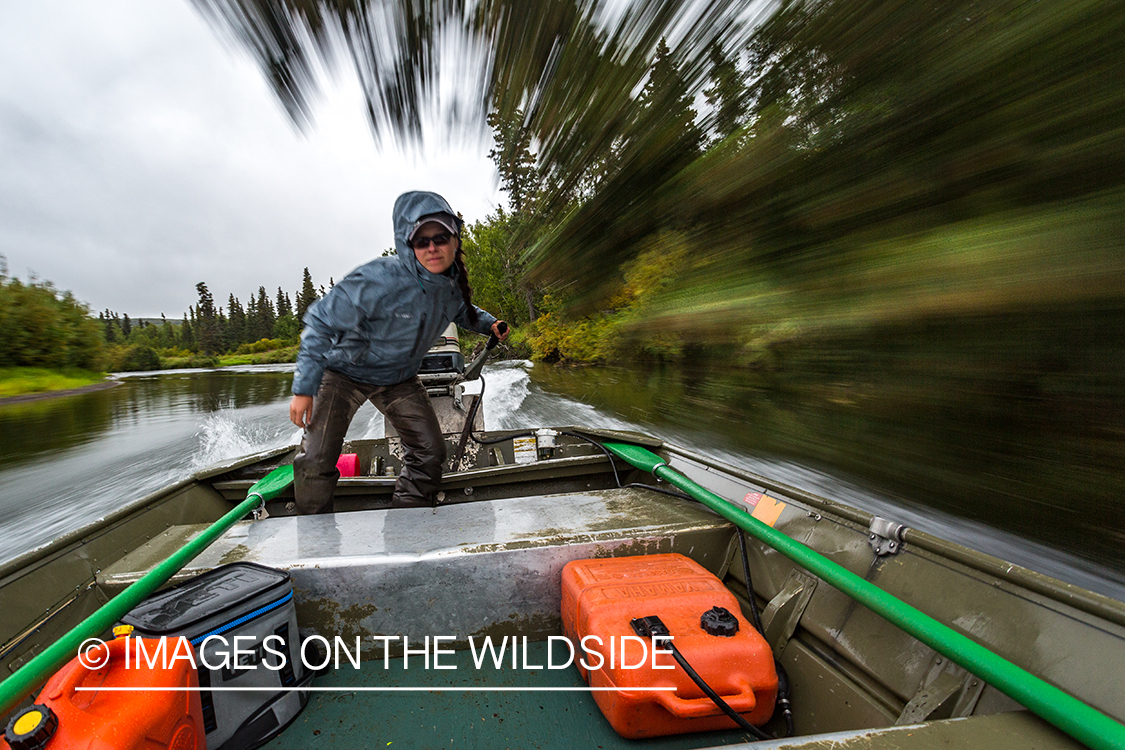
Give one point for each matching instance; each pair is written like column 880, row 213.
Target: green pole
column 1080, row 721
column 19, row 685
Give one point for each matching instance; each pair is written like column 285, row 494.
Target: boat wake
column 511, row 403
column 228, row 434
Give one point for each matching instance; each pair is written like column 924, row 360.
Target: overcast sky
column 140, row 154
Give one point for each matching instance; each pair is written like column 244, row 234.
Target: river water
column 68, row 461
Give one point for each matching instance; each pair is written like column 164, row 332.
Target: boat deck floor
column 477, row 713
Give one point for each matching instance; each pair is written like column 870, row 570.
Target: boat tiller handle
column 472, row 372
column 493, row 340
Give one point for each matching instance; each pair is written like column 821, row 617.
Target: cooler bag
column 250, row 602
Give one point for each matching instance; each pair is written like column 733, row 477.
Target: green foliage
column 268, row 357
column 553, row 338
column 133, row 358
column 287, row 327
column 496, row 269
column 622, row 332
column 41, row 327
column 191, row 361
column 261, row 345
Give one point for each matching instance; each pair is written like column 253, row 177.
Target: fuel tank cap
column 31, row 728
column 720, row 622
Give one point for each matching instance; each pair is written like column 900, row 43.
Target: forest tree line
column 44, row 328
column 264, row 323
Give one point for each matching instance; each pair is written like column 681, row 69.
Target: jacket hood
column 408, row 209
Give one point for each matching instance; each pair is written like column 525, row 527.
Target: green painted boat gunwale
column 19, row 685
column 1068, row 713
column 79, row 536
column 1084, row 600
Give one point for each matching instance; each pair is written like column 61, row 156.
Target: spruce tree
column 266, row 317
column 167, row 333
column 187, row 335
column 306, row 296
column 666, row 103
column 284, row 306
column 512, row 156
column 111, row 329
column 236, row 329
column 252, row 319
column 727, row 93
column 208, row 337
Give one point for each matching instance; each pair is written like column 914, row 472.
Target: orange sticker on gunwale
column 766, row 509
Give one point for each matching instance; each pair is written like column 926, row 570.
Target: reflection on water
column 38, row 427
column 1024, row 451
column 67, row 461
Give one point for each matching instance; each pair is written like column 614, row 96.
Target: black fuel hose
column 715, row 697
column 617, row 479
column 473, row 414
column 749, row 587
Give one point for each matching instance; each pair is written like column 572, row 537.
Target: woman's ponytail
column 463, row 282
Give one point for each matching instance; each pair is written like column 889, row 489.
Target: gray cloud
column 140, row 156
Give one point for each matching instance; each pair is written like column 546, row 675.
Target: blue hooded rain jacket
column 378, row 322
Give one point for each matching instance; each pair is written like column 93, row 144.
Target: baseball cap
column 446, row 220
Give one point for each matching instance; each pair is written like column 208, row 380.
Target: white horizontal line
column 377, row 689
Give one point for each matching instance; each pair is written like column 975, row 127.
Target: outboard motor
column 444, row 363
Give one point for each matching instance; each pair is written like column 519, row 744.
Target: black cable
column 617, row 479
column 612, row 465
column 749, row 588
column 663, row 490
column 473, row 414
column 737, row 717
column 602, row 448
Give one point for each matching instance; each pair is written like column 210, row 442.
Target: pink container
column 348, row 465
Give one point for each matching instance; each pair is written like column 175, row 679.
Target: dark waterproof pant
column 405, row 405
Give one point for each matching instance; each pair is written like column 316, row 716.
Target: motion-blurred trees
column 514, row 161
column 887, row 160
column 42, row 327
column 727, row 94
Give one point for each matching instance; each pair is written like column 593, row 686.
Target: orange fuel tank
column 74, row 710
column 601, row 598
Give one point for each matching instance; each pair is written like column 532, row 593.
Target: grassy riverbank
column 17, row 381
column 139, row 358
column 271, row 357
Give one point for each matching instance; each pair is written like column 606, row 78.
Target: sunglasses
column 439, row 240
